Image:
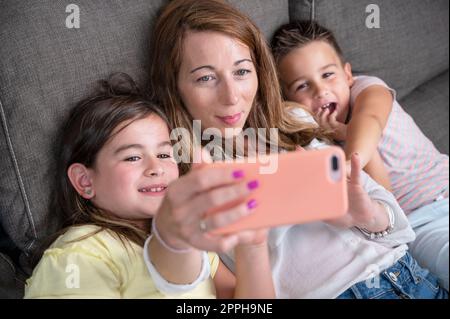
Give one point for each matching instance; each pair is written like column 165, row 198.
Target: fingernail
column 238, row 174
column 252, row 204
column 253, row 185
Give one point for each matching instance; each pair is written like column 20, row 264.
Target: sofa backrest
column 46, row 67
column 409, row 48
column 404, row 42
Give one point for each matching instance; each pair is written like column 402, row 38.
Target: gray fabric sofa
column 46, row 67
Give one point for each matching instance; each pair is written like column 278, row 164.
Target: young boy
column 363, row 114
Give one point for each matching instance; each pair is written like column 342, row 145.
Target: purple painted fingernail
column 252, row 204
column 253, row 185
column 238, row 174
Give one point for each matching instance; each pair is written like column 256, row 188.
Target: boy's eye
column 132, row 159
column 242, row 72
column 327, row 75
column 302, row 87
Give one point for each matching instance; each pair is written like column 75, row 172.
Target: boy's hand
column 329, row 122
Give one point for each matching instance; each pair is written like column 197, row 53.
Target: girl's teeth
column 153, row 190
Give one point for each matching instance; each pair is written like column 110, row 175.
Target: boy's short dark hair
column 298, row 34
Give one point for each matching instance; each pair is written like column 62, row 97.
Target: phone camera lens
column 335, row 163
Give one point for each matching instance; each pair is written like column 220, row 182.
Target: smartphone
column 305, row 186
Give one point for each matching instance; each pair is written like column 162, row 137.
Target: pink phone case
column 304, row 188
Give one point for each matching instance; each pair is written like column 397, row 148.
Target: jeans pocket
column 415, row 281
column 422, row 275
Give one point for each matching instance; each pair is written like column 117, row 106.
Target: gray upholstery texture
column 409, row 51
column 45, row 68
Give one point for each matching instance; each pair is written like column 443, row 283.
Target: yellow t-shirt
column 100, row 267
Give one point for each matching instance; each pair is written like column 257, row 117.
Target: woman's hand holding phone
column 363, row 212
column 182, row 221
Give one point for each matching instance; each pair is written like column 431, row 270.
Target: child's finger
column 355, row 169
column 332, row 119
column 323, row 117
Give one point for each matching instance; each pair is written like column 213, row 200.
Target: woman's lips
column 232, row 119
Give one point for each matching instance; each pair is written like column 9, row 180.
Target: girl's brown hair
column 89, row 126
column 181, row 16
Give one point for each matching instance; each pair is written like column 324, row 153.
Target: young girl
column 116, row 166
column 363, row 112
column 220, row 71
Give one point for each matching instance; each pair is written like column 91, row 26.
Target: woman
column 211, row 63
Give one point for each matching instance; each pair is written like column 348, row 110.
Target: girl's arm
column 168, row 263
column 181, row 232
column 253, row 274
column 370, row 115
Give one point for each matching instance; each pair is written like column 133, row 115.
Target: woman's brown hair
column 268, row 111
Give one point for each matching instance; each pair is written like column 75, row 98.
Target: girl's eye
column 242, row 72
column 327, row 75
column 133, row 159
column 164, row 156
column 205, row 78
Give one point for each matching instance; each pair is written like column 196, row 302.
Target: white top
column 317, row 260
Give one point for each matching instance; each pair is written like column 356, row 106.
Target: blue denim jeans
column 430, row 249
column 404, row 280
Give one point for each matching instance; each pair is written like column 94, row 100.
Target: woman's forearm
column 379, row 221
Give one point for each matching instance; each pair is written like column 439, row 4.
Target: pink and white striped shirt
column 418, row 172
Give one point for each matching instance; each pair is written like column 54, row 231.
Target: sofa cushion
column 11, row 281
column 410, row 47
column 429, row 106
column 267, row 14
column 45, row 68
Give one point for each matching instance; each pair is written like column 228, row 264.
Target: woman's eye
column 132, row 159
column 205, row 78
column 242, row 72
column 164, row 156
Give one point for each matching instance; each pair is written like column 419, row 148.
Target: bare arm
column 363, row 212
column 168, row 263
column 376, row 169
column 370, row 115
column 253, row 274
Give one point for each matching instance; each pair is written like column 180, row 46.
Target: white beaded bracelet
column 164, row 244
column 384, row 233
column 170, row 288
